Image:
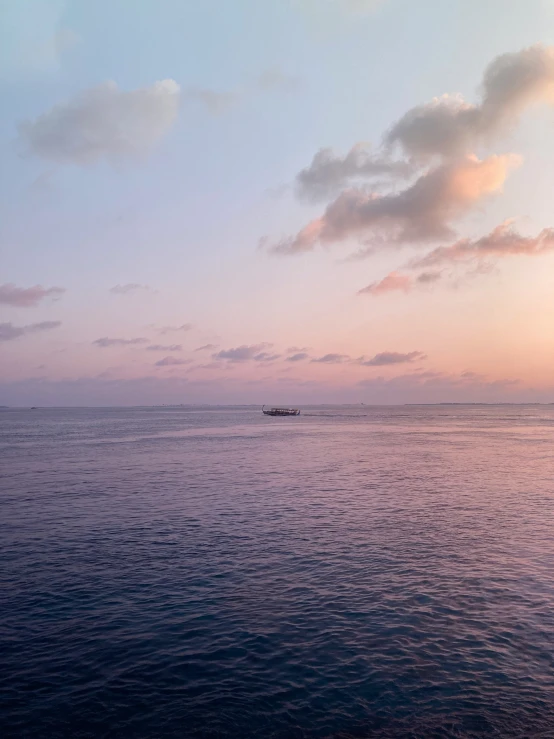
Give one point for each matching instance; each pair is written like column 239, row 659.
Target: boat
column 281, row 411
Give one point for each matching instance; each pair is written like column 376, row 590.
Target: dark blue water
column 354, row 572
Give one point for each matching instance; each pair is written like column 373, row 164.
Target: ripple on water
column 381, row 572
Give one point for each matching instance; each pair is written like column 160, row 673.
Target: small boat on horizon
column 281, row 411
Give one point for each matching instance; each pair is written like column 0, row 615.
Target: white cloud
column 449, row 126
column 103, row 122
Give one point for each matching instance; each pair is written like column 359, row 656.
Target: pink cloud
column 26, row 297
column 172, row 361
column 164, row 348
column 8, row 331
column 392, row 282
column 397, row 281
column 246, row 353
column 422, row 212
column 331, row 359
column 170, row 329
column 106, row 342
column 502, row 241
column 298, row 357
column 130, row 287
column 391, row 358
column 413, row 387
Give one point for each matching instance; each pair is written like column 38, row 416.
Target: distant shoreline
column 207, row 406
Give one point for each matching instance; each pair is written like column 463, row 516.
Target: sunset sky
column 276, row 201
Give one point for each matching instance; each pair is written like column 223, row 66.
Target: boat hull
column 281, row 412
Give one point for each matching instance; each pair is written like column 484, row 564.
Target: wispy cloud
column 346, row 7
column 164, row 348
column 212, row 366
column 329, row 172
column 172, row 362
column 393, row 281
column 387, row 358
column 213, row 101
column 266, row 357
column 246, row 353
column 173, row 387
column 171, row 329
column 503, row 241
column 36, row 39
column 106, row 342
column 428, row 278
column 103, row 122
column 206, row 348
column 129, row 287
column 276, row 79
column 298, row 357
column 442, row 387
column 43, row 186
column 9, row 332
column 331, row 359
column 26, row 297
column 218, row 102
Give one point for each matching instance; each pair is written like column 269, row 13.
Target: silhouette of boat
column 280, row 411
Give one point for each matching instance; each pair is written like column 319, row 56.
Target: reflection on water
column 353, row 572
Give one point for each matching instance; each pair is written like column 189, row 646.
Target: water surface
column 354, row 572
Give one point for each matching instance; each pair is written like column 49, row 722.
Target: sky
column 276, row 201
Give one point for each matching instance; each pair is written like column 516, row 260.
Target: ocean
column 212, row 572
